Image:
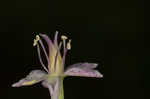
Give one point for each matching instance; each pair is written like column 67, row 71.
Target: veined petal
column 84, row 65
column 19, row 83
column 34, row 77
column 47, row 39
column 83, row 70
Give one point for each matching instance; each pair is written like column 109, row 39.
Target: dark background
column 116, row 27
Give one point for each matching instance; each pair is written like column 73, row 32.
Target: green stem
column 61, row 90
column 58, row 90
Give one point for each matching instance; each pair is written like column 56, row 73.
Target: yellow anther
column 63, row 37
column 36, row 40
column 69, row 45
column 37, row 37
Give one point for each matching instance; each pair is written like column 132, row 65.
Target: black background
column 116, row 27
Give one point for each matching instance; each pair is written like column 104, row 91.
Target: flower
column 52, row 77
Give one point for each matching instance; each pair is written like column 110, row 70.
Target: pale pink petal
column 84, row 65
column 47, row 39
column 35, row 76
column 83, row 70
column 19, row 83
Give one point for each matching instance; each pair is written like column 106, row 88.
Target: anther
column 64, row 37
column 36, row 40
column 69, row 45
column 37, row 37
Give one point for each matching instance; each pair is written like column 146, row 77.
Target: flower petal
column 34, row 76
column 19, row 83
column 47, row 39
column 84, row 65
column 83, row 70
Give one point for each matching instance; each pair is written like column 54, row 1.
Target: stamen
column 49, row 43
column 65, row 48
column 69, row 45
column 44, row 50
column 38, row 50
column 63, row 37
column 37, row 37
column 36, row 40
column 39, row 54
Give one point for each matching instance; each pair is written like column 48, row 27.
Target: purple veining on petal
column 84, row 65
column 39, row 55
column 47, row 39
column 83, row 69
column 83, row 73
column 34, row 76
